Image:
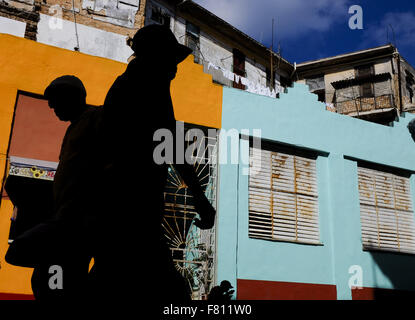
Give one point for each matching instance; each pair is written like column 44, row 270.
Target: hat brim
column 182, row 52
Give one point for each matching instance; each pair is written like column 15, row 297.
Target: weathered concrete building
column 232, row 58
column 96, row 27
column 101, row 28
column 375, row 84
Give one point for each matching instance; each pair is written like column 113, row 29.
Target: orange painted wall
column 37, row 132
column 30, row 66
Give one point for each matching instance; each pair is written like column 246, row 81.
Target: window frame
column 298, row 230
column 388, row 217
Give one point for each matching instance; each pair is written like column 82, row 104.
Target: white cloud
column 293, row 18
column 398, row 25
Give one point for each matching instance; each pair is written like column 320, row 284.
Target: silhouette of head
column 411, row 128
column 157, row 46
column 67, row 97
column 226, row 285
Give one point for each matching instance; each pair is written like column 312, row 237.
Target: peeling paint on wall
column 91, row 40
column 13, row 27
column 117, row 12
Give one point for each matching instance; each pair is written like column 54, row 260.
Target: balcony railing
column 366, row 105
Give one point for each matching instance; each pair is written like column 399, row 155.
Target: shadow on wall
column 399, row 269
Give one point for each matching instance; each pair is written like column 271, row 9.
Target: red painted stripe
column 16, row 296
column 276, row 290
column 366, row 293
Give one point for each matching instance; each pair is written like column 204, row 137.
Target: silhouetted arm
column 202, row 204
column 188, row 174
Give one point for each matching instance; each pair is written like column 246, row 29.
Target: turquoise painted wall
column 298, row 119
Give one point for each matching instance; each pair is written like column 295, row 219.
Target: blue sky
column 314, row 29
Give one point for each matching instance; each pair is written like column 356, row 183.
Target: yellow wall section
column 195, row 98
column 30, row 66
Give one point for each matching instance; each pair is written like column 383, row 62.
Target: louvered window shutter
column 283, row 199
column 386, row 213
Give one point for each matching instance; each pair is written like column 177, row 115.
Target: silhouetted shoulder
column 91, row 120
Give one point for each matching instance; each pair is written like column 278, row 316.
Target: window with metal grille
column 283, row 198
column 193, row 249
column 386, row 213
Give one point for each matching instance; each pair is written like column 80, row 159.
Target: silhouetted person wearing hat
column 134, row 256
column 64, row 242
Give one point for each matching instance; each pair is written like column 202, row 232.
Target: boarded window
column 386, row 212
column 283, row 199
column 366, row 88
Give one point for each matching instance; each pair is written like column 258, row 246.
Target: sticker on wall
column 32, row 172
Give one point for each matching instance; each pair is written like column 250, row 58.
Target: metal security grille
column 386, row 213
column 193, row 250
column 283, row 199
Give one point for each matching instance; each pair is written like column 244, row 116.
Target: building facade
column 322, row 209
column 373, row 84
column 230, row 56
column 102, row 28
column 96, row 27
